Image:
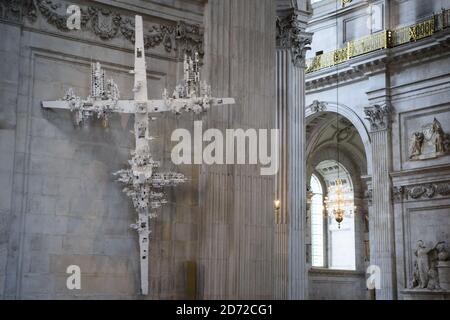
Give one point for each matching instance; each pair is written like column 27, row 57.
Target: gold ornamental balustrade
column 382, row 40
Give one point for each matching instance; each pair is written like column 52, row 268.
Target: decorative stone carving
column 107, row 24
column 397, row 193
column 291, row 35
column 429, row 190
column 15, row 10
column 443, row 266
column 188, row 39
column 419, row 191
column 428, row 264
column 431, row 142
column 378, row 116
column 368, row 195
column 104, row 22
column 318, row 106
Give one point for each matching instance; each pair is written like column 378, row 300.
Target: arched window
column 338, row 238
column 317, row 238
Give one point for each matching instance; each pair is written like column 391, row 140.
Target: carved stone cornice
column 292, row 36
column 108, row 24
column 378, row 116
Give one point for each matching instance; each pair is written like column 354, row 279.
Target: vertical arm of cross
column 141, row 132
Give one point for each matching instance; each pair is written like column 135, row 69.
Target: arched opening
column 339, row 196
column 336, row 170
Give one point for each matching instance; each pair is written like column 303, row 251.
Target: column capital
column 378, row 116
column 291, row 35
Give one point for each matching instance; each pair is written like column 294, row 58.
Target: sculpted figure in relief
column 425, row 273
column 423, row 265
column 416, row 145
column 430, row 143
column 439, row 137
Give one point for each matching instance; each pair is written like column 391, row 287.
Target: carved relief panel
column 430, row 142
column 424, row 137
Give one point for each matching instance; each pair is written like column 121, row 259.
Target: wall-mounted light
column 277, row 204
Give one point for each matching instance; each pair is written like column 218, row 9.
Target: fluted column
column 381, row 219
column 290, row 264
column 236, row 219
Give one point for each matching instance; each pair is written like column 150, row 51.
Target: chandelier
column 337, row 206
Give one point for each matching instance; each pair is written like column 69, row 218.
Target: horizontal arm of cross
column 131, row 106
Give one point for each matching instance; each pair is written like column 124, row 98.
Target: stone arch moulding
column 343, row 110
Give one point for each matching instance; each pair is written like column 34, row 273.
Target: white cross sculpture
column 143, row 183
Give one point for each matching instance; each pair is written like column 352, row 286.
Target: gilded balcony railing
column 413, row 33
column 381, row 40
column 368, row 44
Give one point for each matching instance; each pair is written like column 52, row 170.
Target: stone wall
column 337, row 285
column 59, row 203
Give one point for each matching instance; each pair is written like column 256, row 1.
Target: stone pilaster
column 381, row 220
column 291, row 265
column 237, row 219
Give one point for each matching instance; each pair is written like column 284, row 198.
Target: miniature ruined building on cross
column 143, row 183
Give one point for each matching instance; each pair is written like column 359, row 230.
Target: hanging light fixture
column 337, row 205
column 338, row 211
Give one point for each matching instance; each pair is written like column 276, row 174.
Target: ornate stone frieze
column 107, row 24
column 431, row 142
column 104, row 23
column 424, row 191
column 378, row 116
column 16, row 10
column 291, row 35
